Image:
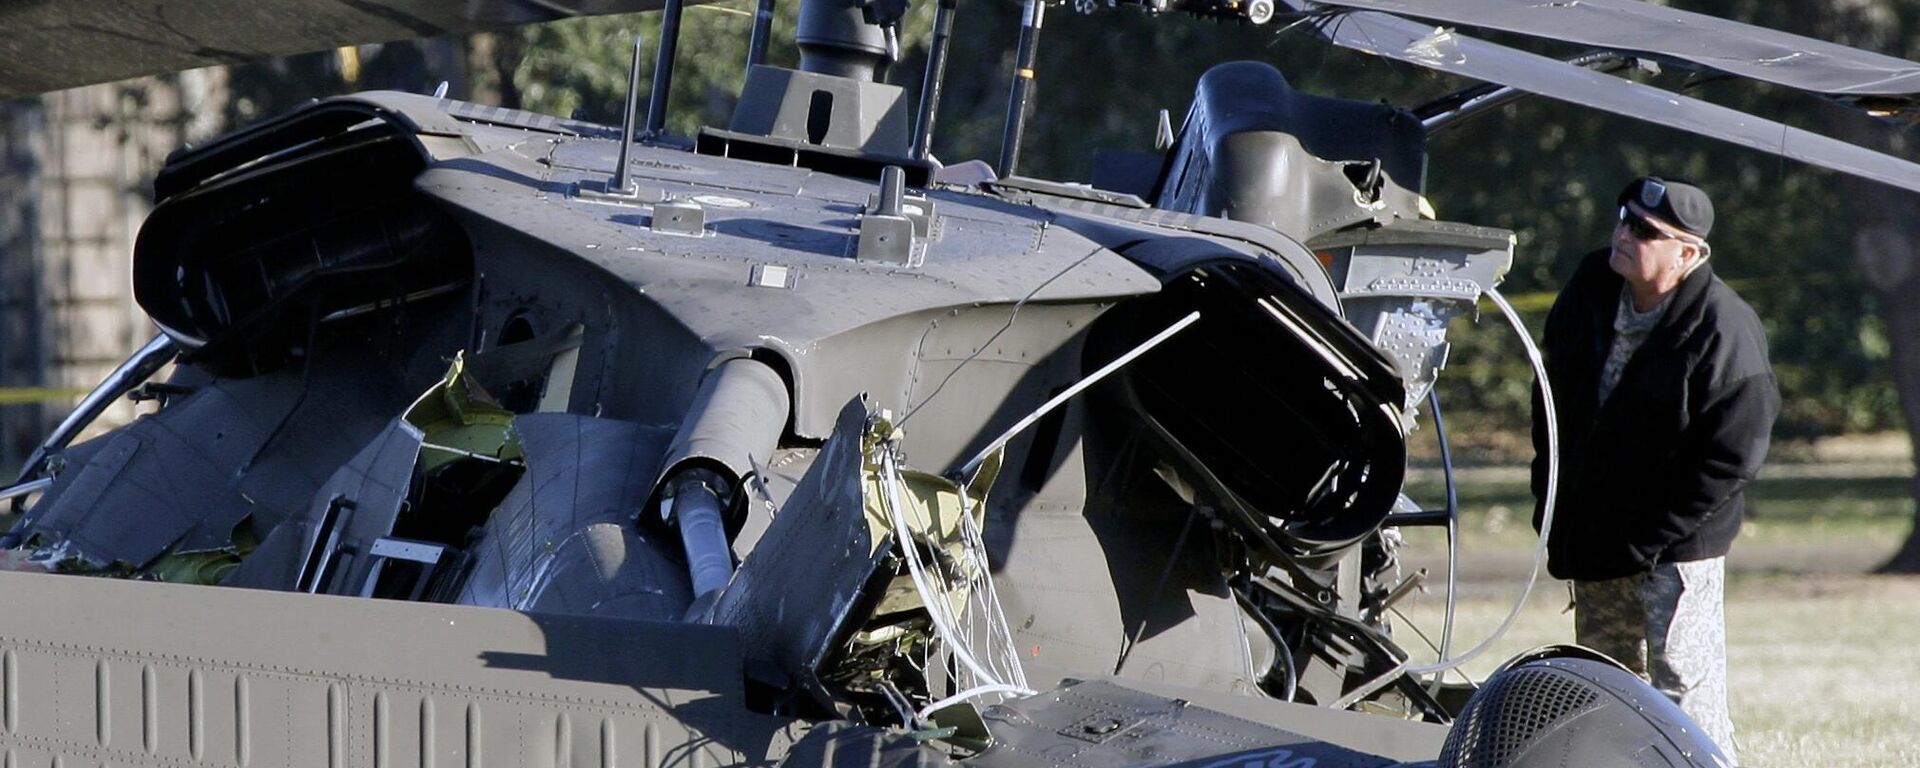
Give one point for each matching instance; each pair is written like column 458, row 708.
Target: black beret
column 1676, row 202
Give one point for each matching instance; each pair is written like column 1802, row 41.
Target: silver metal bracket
column 603, row 191
column 887, row 240
column 887, row 232
column 426, row 553
column 917, row 208
column 679, row 217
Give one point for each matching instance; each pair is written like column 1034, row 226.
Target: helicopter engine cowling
column 1253, row 149
column 1568, row 711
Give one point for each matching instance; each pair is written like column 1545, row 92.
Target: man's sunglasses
column 1640, row 228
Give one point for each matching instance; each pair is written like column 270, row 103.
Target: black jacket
column 1657, row 474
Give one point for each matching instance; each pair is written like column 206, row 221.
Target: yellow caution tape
column 22, row 395
column 349, row 59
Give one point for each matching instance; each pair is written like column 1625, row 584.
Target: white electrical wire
column 1002, row 671
column 999, row 632
column 1539, row 550
column 934, row 599
column 974, row 692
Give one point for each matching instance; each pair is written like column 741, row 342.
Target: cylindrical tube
column 891, row 200
column 24, row 489
column 762, row 29
column 835, row 39
column 930, row 82
column 735, row 419
column 137, row 369
column 696, row 510
column 1022, row 87
column 663, row 66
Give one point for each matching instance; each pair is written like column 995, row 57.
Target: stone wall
column 23, row 358
column 76, row 180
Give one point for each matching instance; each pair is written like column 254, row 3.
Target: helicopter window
column 819, row 116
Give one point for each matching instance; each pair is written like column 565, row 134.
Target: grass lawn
column 1822, row 662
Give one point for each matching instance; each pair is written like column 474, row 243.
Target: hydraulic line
column 1453, row 525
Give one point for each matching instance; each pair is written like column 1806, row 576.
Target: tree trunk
column 1885, row 250
column 1886, row 226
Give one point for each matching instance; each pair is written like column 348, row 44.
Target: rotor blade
column 1448, row 51
column 1756, row 53
column 1730, row 47
column 46, row 46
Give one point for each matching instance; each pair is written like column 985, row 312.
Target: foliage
column 1549, row 171
column 579, row 66
column 1544, row 169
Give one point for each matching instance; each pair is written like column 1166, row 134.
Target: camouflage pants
column 1670, row 627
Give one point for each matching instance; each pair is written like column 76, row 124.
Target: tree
column 1886, row 227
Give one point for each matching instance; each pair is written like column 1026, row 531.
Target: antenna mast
column 620, row 183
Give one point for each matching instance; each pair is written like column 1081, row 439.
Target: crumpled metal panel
column 794, row 595
column 46, row 46
column 166, row 479
column 143, row 674
column 374, row 484
column 1404, row 284
column 1449, row 51
column 1756, row 53
column 563, row 541
column 1100, row 724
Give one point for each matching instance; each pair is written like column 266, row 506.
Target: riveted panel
column 142, row 674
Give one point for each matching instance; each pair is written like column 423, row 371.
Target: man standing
column 1665, row 401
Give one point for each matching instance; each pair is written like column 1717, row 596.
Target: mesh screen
column 1506, row 714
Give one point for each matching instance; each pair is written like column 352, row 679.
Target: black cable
column 1281, row 650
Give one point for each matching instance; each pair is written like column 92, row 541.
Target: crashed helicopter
column 787, row 444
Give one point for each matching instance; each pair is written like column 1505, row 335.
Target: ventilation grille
column 1504, row 716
